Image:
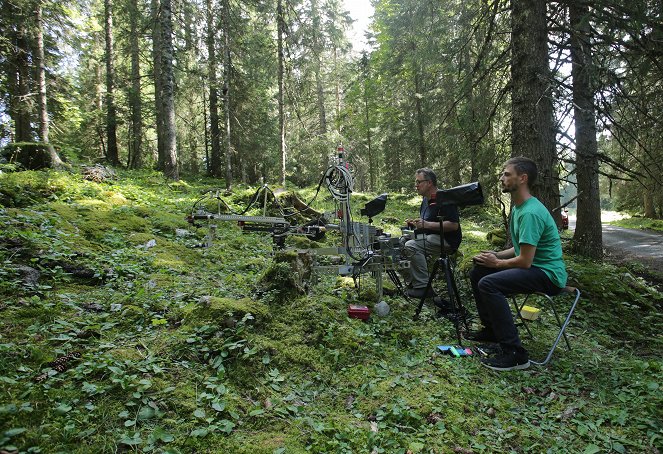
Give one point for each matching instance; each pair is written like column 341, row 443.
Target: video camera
column 461, row 196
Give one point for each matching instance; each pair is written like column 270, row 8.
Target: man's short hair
column 429, row 174
column 524, row 165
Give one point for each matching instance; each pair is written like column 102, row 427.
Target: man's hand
column 415, row 223
column 506, row 258
column 486, row 258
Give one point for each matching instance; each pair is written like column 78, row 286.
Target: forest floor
column 119, row 333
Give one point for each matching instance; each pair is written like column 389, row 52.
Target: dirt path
column 628, row 245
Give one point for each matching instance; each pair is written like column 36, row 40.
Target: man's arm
column 507, row 258
column 432, row 225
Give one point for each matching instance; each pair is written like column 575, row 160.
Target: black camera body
column 461, row 196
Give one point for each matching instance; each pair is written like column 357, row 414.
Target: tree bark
column 587, row 239
column 111, row 117
column 168, row 93
column 20, row 104
column 423, row 158
column 215, row 132
column 532, row 124
column 156, row 62
column 226, row 91
column 56, row 162
column 135, row 103
column 317, row 52
column 367, row 119
column 281, row 64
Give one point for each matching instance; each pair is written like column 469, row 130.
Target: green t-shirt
column 532, row 224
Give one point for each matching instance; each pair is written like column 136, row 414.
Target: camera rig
column 363, row 249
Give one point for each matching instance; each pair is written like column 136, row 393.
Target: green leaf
column 131, row 441
column 199, row 432
column 256, row 412
column 129, row 423
column 146, row 413
column 416, row 446
column 162, row 435
column 591, row 449
column 62, row 409
column 8, row 409
column 199, row 413
column 226, row 426
column 13, row 432
column 219, row 406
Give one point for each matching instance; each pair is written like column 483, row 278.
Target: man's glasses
column 418, row 182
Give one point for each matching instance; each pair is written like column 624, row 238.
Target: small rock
column 182, row 233
column 205, row 300
column 29, row 275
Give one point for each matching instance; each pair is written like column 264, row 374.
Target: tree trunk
column 532, row 125
column 135, row 103
column 420, row 120
column 226, row 91
column 208, row 169
column 111, row 117
column 648, row 201
column 280, row 32
column 587, row 239
column 56, row 162
column 99, row 99
column 317, row 52
column 371, row 159
column 215, row 132
column 168, row 92
column 20, row 105
column 156, row 62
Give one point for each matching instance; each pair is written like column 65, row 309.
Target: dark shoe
column 483, row 335
column 442, row 304
column 508, row 360
column 420, row 292
column 489, row 349
column 444, row 307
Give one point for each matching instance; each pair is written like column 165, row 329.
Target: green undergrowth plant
column 640, row 223
column 120, row 332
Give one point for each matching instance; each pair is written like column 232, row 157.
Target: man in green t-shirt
column 533, row 264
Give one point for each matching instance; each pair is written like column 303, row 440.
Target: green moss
column 217, row 309
column 301, row 376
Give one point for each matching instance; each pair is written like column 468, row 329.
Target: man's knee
column 489, row 283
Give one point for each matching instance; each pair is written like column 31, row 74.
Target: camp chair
column 551, row 301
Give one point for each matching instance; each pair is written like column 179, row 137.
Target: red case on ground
column 360, row 312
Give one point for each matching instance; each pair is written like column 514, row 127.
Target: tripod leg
column 393, row 275
column 462, row 313
column 452, row 291
column 429, row 287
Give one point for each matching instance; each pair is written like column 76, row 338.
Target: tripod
column 443, row 264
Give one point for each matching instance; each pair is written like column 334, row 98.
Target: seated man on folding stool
column 533, row 264
column 426, row 240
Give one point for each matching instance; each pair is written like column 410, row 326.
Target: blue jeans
column 491, row 287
